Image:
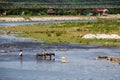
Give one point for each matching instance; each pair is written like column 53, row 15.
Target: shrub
column 58, row 33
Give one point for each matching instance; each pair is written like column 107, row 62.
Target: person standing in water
column 21, row 53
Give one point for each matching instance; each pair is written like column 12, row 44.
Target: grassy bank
column 70, row 32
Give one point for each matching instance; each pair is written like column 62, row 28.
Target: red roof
column 98, row 10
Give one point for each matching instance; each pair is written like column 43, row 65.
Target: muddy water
column 80, row 66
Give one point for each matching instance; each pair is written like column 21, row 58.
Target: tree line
column 38, row 12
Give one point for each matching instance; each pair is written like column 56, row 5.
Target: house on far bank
column 59, row 7
column 99, row 11
column 50, row 11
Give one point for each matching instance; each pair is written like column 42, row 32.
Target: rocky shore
column 49, row 18
column 38, row 18
column 101, row 36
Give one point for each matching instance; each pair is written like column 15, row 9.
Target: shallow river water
column 41, row 22
column 80, row 66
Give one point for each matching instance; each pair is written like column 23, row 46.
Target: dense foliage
column 40, row 12
column 59, row 1
column 60, row 7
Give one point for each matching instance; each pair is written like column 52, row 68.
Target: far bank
column 49, row 18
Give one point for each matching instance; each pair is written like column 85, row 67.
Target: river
column 81, row 64
column 41, row 22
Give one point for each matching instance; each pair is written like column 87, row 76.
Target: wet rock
column 101, row 36
column 3, row 51
column 101, row 57
column 111, row 59
column 114, row 59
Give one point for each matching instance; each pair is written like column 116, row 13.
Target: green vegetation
column 59, row 7
column 44, row 12
column 58, row 1
column 70, row 32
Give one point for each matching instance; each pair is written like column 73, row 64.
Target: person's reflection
column 21, row 60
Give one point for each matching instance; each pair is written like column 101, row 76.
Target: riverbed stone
column 101, row 36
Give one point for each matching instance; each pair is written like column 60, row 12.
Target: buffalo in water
column 45, row 54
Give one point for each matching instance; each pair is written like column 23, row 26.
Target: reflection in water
column 21, row 60
column 45, row 60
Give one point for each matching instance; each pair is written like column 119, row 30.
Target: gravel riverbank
column 49, row 18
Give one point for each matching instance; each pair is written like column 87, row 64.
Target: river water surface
column 41, row 22
column 80, row 66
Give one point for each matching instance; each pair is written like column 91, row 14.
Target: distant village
column 59, row 7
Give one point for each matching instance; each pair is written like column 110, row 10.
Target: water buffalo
column 45, row 54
